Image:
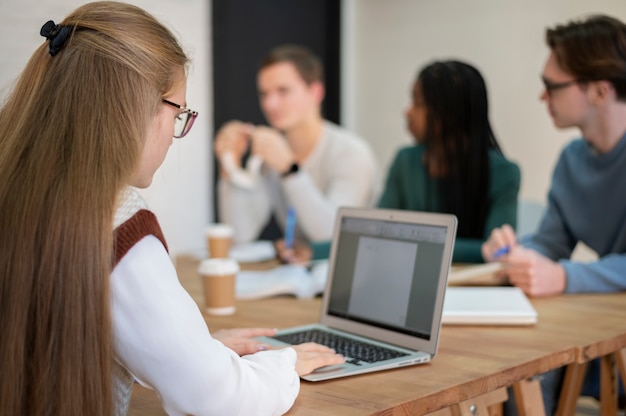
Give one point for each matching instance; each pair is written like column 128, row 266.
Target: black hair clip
column 57, row 35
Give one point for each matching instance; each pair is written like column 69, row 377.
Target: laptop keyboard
column 354, row 351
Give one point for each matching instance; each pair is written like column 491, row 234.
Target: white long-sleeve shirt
column 162, row 339
column 340, row 171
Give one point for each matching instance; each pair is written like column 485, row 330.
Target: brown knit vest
column 128, row 234
column 138, row 226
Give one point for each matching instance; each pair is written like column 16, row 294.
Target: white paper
column 291, row 279
column 253, row 252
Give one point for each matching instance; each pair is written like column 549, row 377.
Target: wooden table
column 472, row 361
column 604, row 338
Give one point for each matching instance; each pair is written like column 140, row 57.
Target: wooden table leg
column 487, row 404
column 620, row 360
column 572, row 383
column 608, row 386
column 528, row 398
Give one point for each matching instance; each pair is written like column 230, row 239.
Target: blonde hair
column 71, row 133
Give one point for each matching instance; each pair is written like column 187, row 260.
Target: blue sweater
column 587, row 202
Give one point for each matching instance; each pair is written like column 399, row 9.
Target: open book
column 291, row 279
column 476, row 274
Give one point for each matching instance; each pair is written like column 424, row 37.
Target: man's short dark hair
column 592, row 50
column 308, row 65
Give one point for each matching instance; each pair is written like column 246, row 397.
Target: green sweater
column 409, row 187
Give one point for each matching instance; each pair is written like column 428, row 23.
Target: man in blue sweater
column 585, row 87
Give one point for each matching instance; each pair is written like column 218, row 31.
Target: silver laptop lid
column 387, row 275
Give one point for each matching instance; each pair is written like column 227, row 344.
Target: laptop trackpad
column 331, row 368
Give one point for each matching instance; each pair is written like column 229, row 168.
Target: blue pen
column 290, row 227
column 501, row 252
column 505, row 250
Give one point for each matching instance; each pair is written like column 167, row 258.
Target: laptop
column 383, row 300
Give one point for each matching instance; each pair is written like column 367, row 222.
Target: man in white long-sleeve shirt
column 308, row 163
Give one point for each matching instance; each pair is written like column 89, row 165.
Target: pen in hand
column 290, row 228
column 501, row 252
column 506, row 249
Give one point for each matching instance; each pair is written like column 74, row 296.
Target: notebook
column 387, row 278
column 504, row 305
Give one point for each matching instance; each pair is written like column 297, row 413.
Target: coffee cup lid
column 218, row 267
column 219, row 230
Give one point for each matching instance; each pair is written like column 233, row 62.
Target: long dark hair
column 458, row 138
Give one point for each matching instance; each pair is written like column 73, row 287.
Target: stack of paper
column 504, row 305
column 292, row 279
column 255, row 251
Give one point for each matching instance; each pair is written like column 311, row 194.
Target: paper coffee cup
column 219, row 238
column 218, row 279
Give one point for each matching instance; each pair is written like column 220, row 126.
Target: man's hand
column 534, row 273
column 273, row 148
column 500, row 238
column 233, row 137
column 300, row 253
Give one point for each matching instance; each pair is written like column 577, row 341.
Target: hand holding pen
column 501, row 241
column 531, row 271
column 288, row 249
column 300, row 253
column 290, row 227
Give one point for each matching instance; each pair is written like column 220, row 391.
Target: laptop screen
column 386, row 274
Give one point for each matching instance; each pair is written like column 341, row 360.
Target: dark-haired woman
column 456, row 165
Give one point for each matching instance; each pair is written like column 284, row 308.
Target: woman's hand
column 312, row 356
column 241, row 340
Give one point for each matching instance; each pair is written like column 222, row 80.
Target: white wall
column 386, row 42
column 180, row 193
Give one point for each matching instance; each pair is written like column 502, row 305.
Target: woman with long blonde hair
column 89, row 299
